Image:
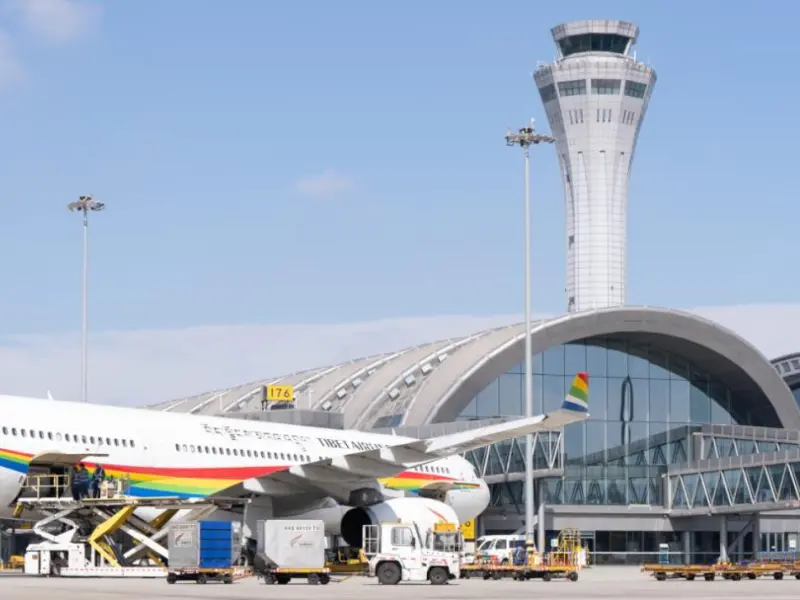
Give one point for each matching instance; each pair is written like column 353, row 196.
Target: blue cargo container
column 216, row 544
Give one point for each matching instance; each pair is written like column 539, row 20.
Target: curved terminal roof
column 433, row 382
column 789, row 368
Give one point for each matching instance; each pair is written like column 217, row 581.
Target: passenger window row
column 70, row 438
column 432, row 469
column 298, row 458
column 213, row 450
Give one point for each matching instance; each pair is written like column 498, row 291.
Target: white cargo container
column 292, row 544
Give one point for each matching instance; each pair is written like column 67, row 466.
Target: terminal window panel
column 608, row 87
column 635, row 89
column 575, row 87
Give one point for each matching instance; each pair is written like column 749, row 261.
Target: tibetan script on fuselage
column 235, row 433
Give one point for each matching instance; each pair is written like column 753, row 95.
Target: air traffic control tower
column 596, row 96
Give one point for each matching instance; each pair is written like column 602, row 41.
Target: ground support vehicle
column 688, row 572
column 203, row 551
column 729, row 571
column 522, row 572
column 346, row 561
column 487, row 570
column 291, row 549
column 566, row 561
column 101, row 537
column 546, row 572
column 736, row 572
column 283, row 576
column 398, row 552
column 201, row 576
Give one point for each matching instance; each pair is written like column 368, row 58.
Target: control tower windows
column 548, row 93
column 634, row 89
column 575, row 87
column 606, row 87
column 593, row 42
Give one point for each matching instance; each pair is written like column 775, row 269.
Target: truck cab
column 398, row 551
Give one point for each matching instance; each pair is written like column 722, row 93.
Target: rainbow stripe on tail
column 577, row 399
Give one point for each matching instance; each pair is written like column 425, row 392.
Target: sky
column 295, row 184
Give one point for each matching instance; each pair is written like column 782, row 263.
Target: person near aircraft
column 80, row 482
column 97, row 478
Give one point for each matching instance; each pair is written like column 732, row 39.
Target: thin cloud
column 11, row 69
column 328, row 184
column 146, row 367
column 58, row 21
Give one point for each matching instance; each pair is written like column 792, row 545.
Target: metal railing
column 52, row 486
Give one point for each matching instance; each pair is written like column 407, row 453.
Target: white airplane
column 347, row 478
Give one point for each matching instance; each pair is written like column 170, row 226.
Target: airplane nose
column 484, row 496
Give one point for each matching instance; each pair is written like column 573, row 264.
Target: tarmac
column 597, row 582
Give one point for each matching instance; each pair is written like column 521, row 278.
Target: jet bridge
column 740, row 484
column 106, row 537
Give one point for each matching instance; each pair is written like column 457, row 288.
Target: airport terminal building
column 693, row 433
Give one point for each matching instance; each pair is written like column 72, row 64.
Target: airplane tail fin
column 577, row 399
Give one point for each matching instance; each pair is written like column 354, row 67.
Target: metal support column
column 723, row 539
column 540, row 539
column 756, row 545
column 687, row 547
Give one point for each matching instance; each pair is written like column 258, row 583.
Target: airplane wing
column 345, row 471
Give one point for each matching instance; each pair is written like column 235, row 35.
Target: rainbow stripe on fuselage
column 14, row 461
column 411, row 481
column 192, row 482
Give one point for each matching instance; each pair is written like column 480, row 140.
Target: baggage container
column 292, row 544
column 203, row 545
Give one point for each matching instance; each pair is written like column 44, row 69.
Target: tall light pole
column 85, row 205
column 525, row 138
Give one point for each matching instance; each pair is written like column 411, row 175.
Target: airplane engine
column 422, row 511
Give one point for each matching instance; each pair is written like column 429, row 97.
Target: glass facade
column 644, row 402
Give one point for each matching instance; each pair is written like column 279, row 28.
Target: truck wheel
column 269, row 578
column 389, row 573
column 227, row 579
column 313, row 579
column 324, row 579
column 283, row 579
column 201, row 578
column 438, row 576
column 172, row 578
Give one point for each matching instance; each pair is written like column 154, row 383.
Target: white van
column 499, row 547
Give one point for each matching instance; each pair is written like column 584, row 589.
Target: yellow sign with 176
column 280, row 393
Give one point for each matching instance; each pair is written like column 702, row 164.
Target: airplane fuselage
column 166, row 454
